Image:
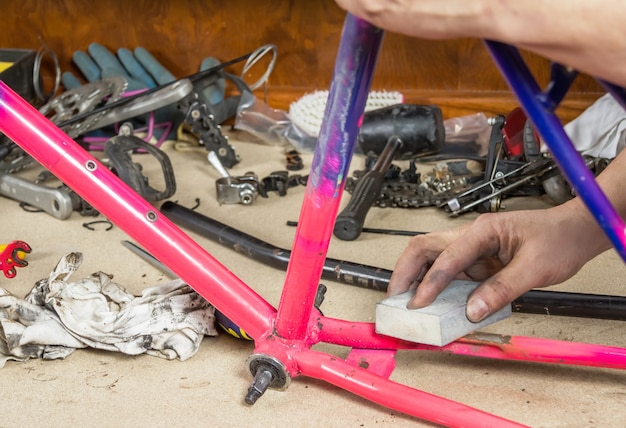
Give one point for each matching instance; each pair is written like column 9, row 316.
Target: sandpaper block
column 438, row 324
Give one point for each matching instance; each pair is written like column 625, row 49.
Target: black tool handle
column 349, row 223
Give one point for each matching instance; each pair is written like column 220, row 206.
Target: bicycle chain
column 409, row 189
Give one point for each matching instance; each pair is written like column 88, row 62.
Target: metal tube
column 354, row 68
column 516, row 348
column 534, row 301
column 336, row 270
column 393, row 395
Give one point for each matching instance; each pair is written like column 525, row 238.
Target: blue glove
column 142, row 71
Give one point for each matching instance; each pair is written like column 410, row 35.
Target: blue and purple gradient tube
column 352, row 76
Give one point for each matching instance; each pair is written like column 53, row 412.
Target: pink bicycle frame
column 284, row 336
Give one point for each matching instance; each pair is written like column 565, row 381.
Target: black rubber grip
column 349, row 223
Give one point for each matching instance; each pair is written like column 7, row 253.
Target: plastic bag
column 470, row 129
column 270, row 126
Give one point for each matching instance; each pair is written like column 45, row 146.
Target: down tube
column 69, row 162
column 354, row 68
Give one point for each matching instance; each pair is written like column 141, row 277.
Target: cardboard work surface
column 98, row 388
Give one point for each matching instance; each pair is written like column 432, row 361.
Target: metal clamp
column 237, row 190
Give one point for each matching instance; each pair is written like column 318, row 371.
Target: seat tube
column 354, row 68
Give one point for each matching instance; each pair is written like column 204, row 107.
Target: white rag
column 58, row 316
column 599, row 131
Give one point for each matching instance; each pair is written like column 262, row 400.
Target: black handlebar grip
column 349, row 223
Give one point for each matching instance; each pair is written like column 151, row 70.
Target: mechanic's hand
column 509, row 252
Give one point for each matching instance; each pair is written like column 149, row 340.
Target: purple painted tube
column 354, row 69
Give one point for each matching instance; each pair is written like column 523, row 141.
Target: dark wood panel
column 180, row 33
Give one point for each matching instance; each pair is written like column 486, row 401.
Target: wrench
column 56, row 202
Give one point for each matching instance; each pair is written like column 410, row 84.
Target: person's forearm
column 611, row 181
column 587, row 35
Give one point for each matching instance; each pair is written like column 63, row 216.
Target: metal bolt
column 247, row 196
column 91, row 165
column 126, row 129
column 262, row 380
column 268, row 372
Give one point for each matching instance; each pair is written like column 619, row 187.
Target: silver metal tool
column 149, row 258
column 217, row 164
column 165, row 96
column 56, row 202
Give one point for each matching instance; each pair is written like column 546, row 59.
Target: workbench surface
column 98, row 388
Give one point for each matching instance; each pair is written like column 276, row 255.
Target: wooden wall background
column 456, row 75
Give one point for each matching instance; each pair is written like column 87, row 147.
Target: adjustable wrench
column 56, row 202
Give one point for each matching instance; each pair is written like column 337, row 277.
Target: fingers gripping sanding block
column 438, row 324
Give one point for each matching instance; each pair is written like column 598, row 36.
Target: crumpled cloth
column 599, row 131
column 58, row 316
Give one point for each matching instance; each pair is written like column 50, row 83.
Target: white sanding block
column 438, row 324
